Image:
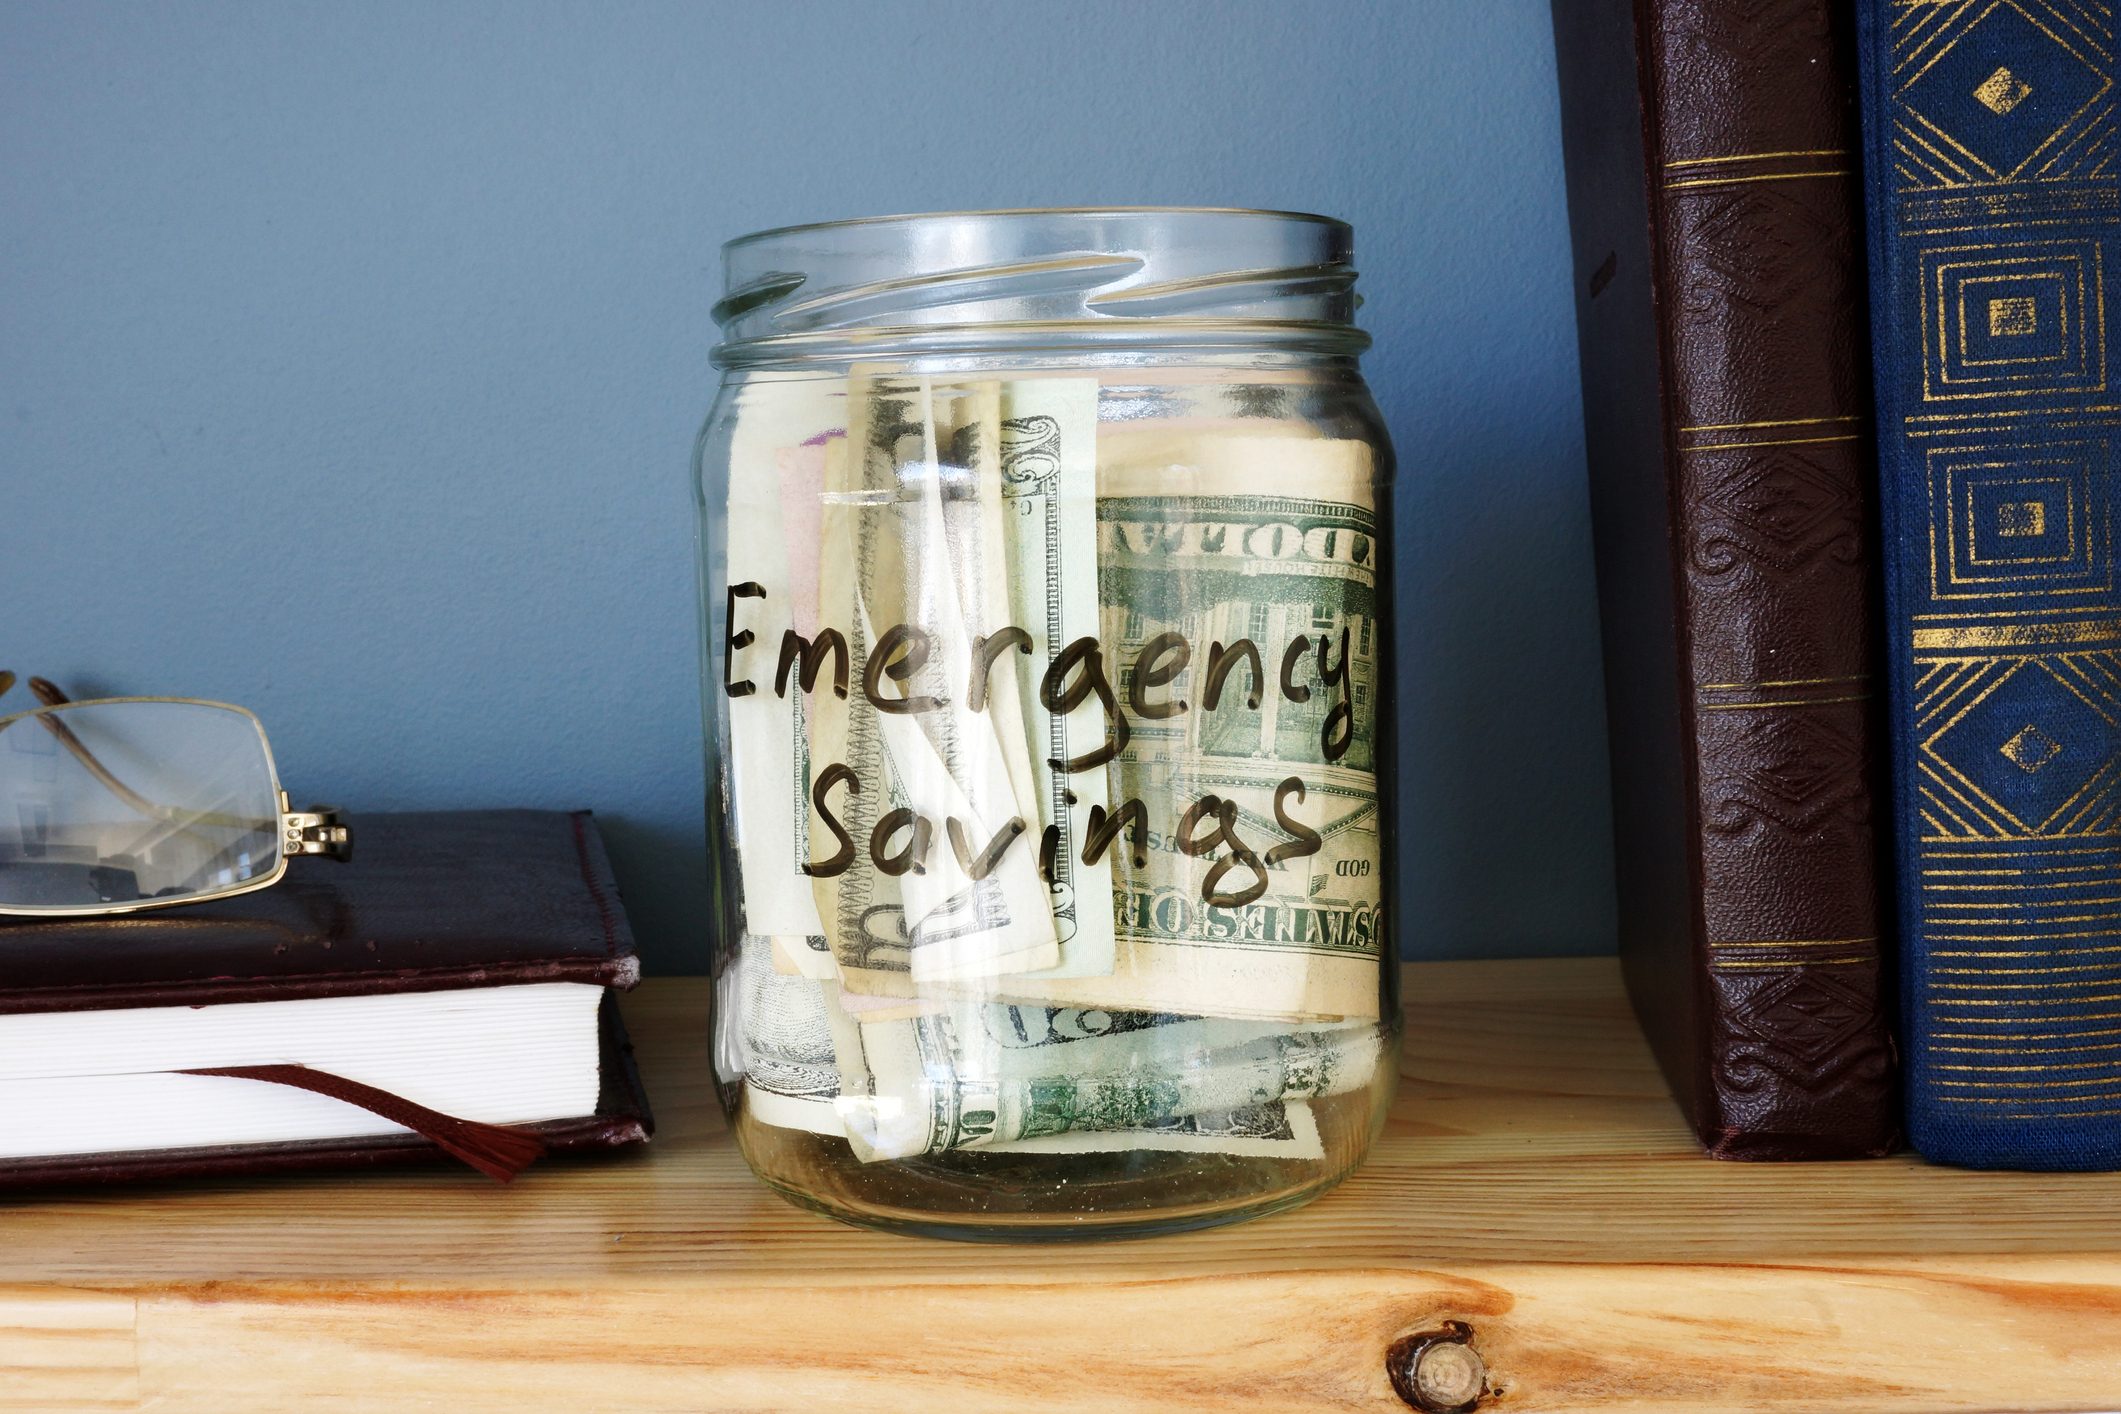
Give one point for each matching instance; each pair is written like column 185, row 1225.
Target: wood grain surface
column 1534, row 1182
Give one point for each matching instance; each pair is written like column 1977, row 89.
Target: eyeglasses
column 124, row 803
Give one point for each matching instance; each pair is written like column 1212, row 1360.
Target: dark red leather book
column 1714, row 203
column 462, row 962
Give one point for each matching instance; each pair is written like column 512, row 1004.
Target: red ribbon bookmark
column 494, row 1150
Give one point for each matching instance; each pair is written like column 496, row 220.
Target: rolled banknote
column 1045, row 474
column 969, row 513
column 885, row 572
column 970, row 1078
column 776, row 479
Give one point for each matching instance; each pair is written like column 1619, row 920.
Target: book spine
column 1760, row 986
column 1994, row 211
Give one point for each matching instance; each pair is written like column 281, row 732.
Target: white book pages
column 107, row 1081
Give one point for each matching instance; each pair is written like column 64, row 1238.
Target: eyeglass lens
column 109, row 803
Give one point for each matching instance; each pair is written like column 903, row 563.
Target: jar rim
column 798, row 228
column 1269, row 279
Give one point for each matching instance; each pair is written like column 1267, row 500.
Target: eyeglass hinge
column 317, row 830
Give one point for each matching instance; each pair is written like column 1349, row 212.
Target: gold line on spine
column 1756, row 157
column 1778, row 442
column 1764, row 177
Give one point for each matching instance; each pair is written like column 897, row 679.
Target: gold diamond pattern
column 2030, row 749
column 2002, row 91
column 1963, row 119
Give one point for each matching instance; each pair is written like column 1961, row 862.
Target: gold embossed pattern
column 2001, row 124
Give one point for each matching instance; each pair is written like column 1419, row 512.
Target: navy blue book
column 1995, row 250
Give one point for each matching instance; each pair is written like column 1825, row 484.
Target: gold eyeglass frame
column 319, row 830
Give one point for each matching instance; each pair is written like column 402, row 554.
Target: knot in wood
column 1438, row 1371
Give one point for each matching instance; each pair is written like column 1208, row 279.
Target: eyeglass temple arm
column 48, row 693
column 317, row 830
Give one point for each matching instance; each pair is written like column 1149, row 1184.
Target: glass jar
column 1046, row 595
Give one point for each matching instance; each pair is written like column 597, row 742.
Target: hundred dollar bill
column 982, row 572
column 776, row 461
column 1046, row 476
column 1273, row 542
column 973, row 784
column 973, row 1077
column 990, row 524
column 785, row 1052
column 843, row 730
column 873, row 518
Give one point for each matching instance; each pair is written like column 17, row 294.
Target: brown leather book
column 1715, row 212
column 462, row 961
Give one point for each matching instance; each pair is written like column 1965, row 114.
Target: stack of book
column 1841, row 281
column 451, row 991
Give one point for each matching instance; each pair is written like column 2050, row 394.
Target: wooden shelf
column 1534, row 1183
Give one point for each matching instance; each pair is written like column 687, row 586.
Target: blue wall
column 351, row 354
